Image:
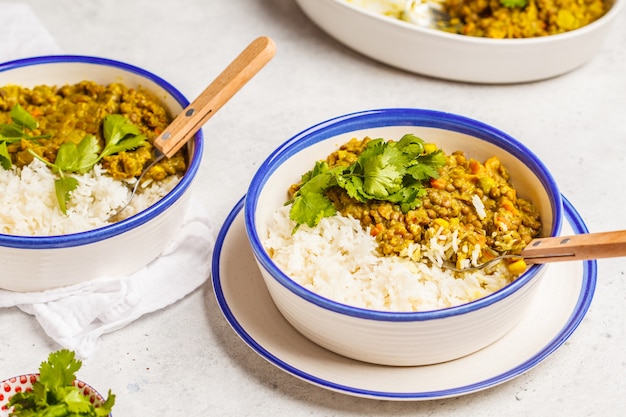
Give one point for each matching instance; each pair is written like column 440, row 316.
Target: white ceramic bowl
column 390, row 338
column 457, row 57
column 39, row 263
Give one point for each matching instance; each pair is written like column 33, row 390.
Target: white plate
column 560, row 305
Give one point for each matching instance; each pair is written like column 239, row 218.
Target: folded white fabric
column 22, row 34
column 76, row 316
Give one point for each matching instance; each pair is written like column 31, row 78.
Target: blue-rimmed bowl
column 391, row 338
column 31, row 263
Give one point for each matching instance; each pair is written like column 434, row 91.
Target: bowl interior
column 268, row 189
column 450, row 132
column 61, row 70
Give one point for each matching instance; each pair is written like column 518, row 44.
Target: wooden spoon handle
column 239, row 72
column 577, row 247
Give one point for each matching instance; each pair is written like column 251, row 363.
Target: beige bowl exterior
column 138, row 243
column 401, row 343
column 387, row 340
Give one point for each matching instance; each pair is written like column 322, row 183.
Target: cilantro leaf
column 78, row 158
column 88, row 149
column 15, row 132
column 385, row 170
column 54, row 394
column 105, row 408
column 11, row 132
column 310, row 208
column 427, row 166
column 5, row 157
column 120, row 135
column 353, row 185
column 60, row 369
column 67, row 157
column 63, row 188
column 411, row 145
column 408, row 197
column 514, row 3
column 310, row 204
column 22, row 118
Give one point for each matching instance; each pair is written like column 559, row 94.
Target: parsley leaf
column 385, row 170
column 54, row 395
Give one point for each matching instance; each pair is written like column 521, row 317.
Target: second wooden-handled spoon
column 564, row 248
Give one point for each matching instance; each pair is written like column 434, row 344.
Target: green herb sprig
column 119, row 135
column 13, row 132
column 54, row 395
column 514, row 3
column 385, row 170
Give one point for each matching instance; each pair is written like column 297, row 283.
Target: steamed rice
column 30, row 208
column 339, row 260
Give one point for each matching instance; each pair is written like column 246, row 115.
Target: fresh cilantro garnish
column 119, row 135
column 15, row 132
column 385, row 170
column 514, row 3
column 54, row 395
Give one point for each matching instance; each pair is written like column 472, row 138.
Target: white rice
column 29, row 204
column 338, row 260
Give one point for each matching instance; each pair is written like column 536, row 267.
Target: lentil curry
column 474, row 200
column 520, row 18
column 71, row 112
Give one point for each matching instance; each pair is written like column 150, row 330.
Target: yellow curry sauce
column 493, row 19
column 507, row 224
column 70, row 112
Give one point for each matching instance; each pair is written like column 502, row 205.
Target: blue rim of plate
column 585, row 297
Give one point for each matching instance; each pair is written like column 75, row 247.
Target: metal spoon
column 425, row 13
column 192, row 118
column 563, row 248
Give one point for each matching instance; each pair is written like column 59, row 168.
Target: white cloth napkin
column 76, row 316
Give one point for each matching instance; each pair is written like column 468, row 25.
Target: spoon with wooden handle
column 564, row 248
column 250, row 61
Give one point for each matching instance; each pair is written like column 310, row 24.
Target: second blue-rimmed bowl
column 37, row 263
column 392, row 338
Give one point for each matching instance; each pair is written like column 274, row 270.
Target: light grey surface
column 185, row 359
